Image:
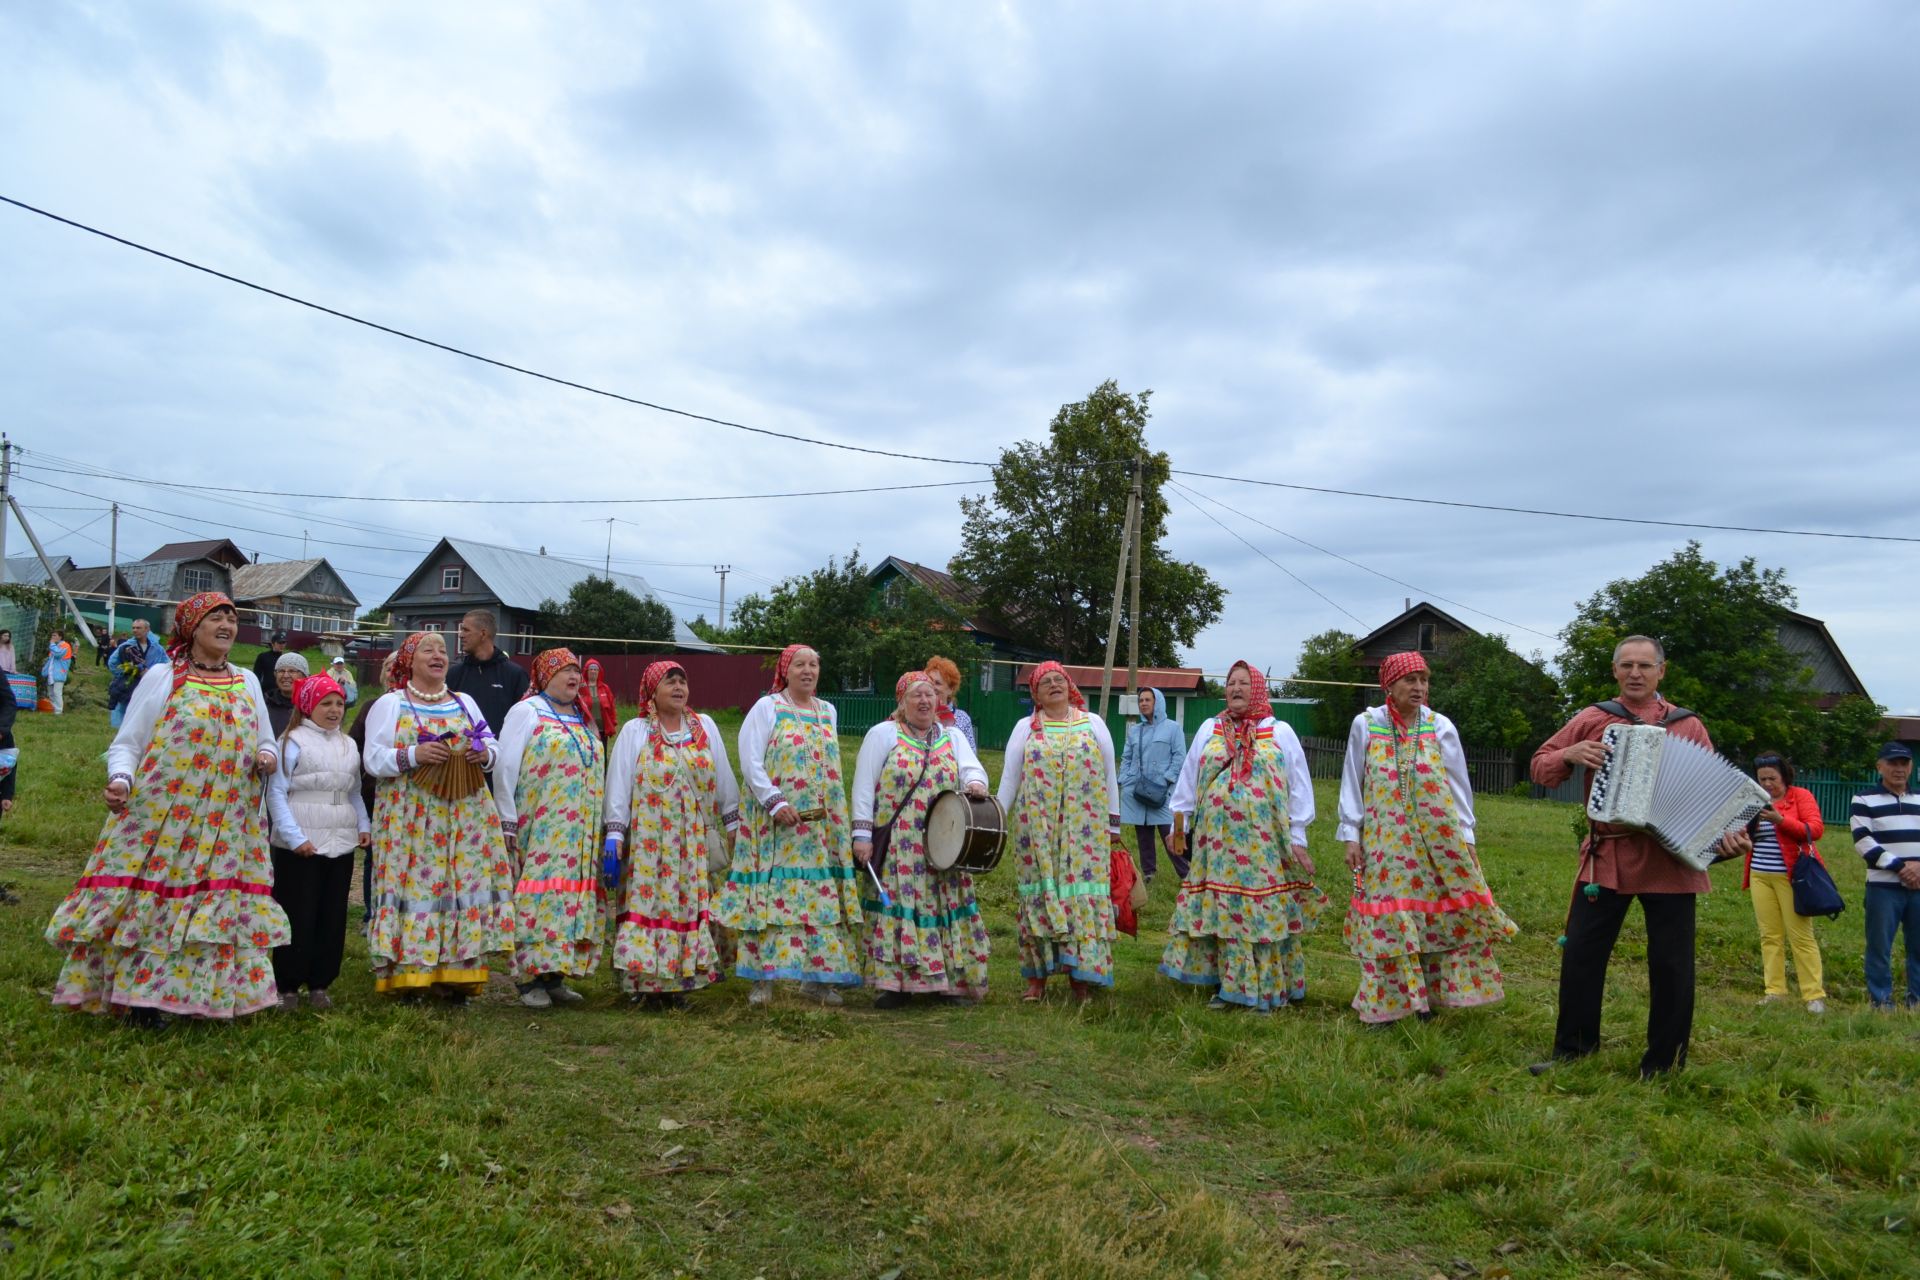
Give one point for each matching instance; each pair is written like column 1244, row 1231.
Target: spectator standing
column 59, row 663
column 596, row 699
column 263, row 664
column 8, row 662
column 1886, row 831
column 1150, row 763
column 343, row 676
column 132, row 658
column 494, row 681
column 287, row 672
column 1784, row 832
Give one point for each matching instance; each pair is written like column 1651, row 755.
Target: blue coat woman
column 1149, row 766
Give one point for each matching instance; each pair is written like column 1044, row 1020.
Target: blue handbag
column 1814, row 892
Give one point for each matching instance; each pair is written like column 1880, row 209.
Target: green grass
column 1141, row 1137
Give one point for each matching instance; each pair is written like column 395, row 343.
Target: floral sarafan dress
column 1422, row 921
column 550, row 785
column 174, row 910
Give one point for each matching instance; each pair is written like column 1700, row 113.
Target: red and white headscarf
column 187, row 617
column 1074, row 695
column 1241, row 728
column 909, row 679
column 400, row 665
column 780, row 668
column 1396, row 666
column 650, row 681
column 307, row 693
column 547, row 664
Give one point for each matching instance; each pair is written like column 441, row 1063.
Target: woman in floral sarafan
column 549, row 788
column 1240, row 811
column 790, row 897
column 1422, row 921
column 673, row 804
column 442, row 878
column 174, row 913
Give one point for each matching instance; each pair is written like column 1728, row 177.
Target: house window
column 526, row 637
column 435, row 625
column 194, row 581
column 1426, row 637
column 986, row 676
column 450, row 578
column 299, row 621
column 263, row 620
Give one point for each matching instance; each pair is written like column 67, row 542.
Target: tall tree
column 1041, row 551
column 1331, row 656
column 601, row 607
column 1495, row 697
column 1720, row 628
column 863, row 635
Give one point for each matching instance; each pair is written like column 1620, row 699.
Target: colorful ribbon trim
column 553, row 884
column 1387, row 906
column 664, row 922
column 163, row 890
column 1086, row 890
column 1240, row 891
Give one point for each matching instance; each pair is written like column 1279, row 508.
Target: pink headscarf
column 1033, row 691
column 1394, row 667
column 307, row 693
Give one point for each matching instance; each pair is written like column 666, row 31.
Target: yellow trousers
column 1780, row 927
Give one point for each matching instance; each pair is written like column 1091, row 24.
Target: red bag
column 1123, row 883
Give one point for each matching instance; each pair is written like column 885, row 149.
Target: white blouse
column 635, row 738
column 1299, row 778
column 149, row 704
column 523, row 718
column 875, row 750
column 755, row 732
column 382, row 760
column 1011, row 770
column 1353, row 772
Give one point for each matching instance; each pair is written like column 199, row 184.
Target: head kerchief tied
column 400, row 665
column 1033, row 691
column 547, row 664
column 592, row 671
column 780, row 668
column 307, row 693
column 1396, row 666
column 650, row 681
column 187, row 617
column 909, row 679
column 1242, row 727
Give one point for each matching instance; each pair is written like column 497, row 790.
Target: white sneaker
column 1816, row 1006
column 564, row 994
column 820, row 993
column 762, row 993
column 1769, row 1000
column 536, row 998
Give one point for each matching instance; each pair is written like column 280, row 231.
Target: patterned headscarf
column 400, row 665
column 187, row 617
column 1033, row 691
column 547, row 664
column 650, row 681
column 787, row 655
column 1241, row 727
column 307, row 693
column 1394, row 667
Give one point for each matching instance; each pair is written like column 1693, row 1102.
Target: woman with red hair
column 1062, row 797
column 1246, row 796
column 1422, row 921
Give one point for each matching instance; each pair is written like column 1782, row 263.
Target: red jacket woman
column 1795, row 817
column 596, row 699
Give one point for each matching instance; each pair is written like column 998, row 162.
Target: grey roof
column 525, row 580
column 262, row 581
column 28, row 571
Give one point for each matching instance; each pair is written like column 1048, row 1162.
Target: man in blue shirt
column 131, row 659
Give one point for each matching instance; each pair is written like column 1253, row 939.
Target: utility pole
column 723, row 570
column 6, row 499
column 609, row 567
column 1119, row 585
column 113, row 569
column 1133, row 607
column 53, row 579
column 303, row 544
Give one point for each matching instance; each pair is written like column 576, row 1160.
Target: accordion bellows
column 1676, row 790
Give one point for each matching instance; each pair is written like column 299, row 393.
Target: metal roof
column 260, row 581
column 524, row 580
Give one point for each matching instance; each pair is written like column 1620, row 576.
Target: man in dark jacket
column 263, row 665
column 493, row 680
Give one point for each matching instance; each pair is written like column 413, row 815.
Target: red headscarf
column 909, row 679
column 547, row 664
column 307, row 693
column 187, row 617
column 400, row 665
column 1396, row 666
column 780, row 667
column 1241, row 727
column 1033, row 691
column 650, row 682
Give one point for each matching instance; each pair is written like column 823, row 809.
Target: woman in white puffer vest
column 319, row 819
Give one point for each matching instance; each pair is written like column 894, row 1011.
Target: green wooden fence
column 1835, row 791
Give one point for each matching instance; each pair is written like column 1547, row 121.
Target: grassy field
column 1140, row 1137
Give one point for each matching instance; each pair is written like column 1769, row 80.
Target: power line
column 470, row 355
column 1433, row 595
column 1269, row 559
column 1559, row 515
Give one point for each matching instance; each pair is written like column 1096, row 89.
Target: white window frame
column 526, row 637
column 451, row 577
column 188, row 577
column 434, row 625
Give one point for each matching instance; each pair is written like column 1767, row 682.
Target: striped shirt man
column 1886, row 831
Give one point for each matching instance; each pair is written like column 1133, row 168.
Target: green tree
column 863, row 635
column 1041, row 551
column 1495, row 697
column 1724, row 656
column 1331, row 656
column 1846, row 737
column 600, row 607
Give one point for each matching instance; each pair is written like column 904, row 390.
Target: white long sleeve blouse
column 523, row 719
column 382, row 760
column 755, row 732
column 1353, row 772
column 636, row 737
column 149, row 704
column 875, row 749
column 1011, row 770
column 1300, row 806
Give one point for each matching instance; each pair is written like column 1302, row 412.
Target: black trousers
column 1593, row 926
column 1146, row 834
column 313, row 892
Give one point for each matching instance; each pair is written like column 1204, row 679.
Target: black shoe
column 148, row 1019
column 1541, row 1068
column 891, row 1000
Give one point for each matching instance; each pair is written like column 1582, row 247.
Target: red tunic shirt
column 1615, row 857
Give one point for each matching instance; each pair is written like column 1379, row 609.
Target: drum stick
column 886, row 899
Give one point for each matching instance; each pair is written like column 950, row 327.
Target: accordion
column 1674, row 789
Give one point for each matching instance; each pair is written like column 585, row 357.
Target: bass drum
column 965, row 833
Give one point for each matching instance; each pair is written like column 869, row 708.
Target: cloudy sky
column 1640, row 259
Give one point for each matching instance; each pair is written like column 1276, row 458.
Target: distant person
column 494, row 681
column 58, row 666
column 102, row 643
column 1785, row 831
column 263, row 664
column 8, row 662
column 946, row 677
column 596, row 696
column 342, row 675
column 9, row 753
column 289, row 670
column 1886, row 831
column 1619, row 865
column 131, row 659
column 1150, row 761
